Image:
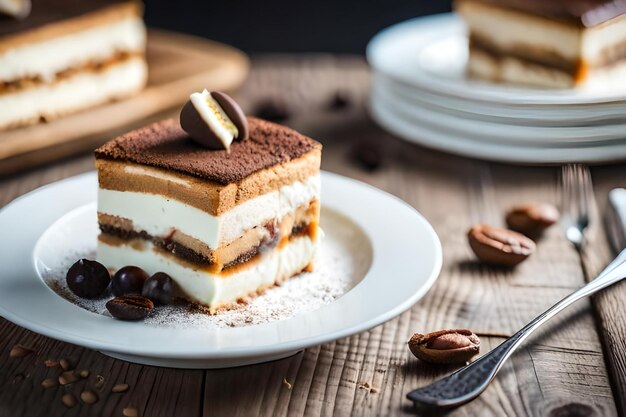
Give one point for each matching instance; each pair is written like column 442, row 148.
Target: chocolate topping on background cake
column 166, row 145
column 583, row 12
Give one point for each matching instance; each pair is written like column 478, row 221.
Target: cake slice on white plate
column 225, row 224
column 547, row 43
column 68, row 55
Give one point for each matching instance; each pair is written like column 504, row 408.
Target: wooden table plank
column 561, row 371
column 609, row 304
column 153, row 391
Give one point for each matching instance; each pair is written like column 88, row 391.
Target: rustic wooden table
column 575, row 367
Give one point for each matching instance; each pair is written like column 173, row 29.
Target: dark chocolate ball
column 128, row 280
column 88, row 279
column 159, row 288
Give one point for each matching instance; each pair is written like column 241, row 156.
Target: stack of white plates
column 420, row 92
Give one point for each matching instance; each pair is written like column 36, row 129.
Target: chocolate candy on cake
column 213, row 120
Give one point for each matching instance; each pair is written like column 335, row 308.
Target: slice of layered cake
column 553, row 43
column 68, row 55
column 224, row 223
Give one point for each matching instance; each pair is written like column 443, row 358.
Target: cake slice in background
column 224, row 224
column 547, row 43
column 68, row 55
column 18, row 9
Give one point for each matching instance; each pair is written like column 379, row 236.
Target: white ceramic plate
column 449, row 140
column 430, row 53
column 403, row 251
column 499, row 133
column 592, row 115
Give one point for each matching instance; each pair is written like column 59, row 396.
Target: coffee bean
column 498, row 246
column 99, row 382
column 50, row 363
column 69, row 400
column 88, row 279
column 89, row 397
column 369, row 155
column 65, row 364
column 532, row 218
column 287, row 384
column 19, row 351
column 130, row 307
column 119, row 388
column 48, row 383
column 340, row 100
column 445, row 346
column 159, row 288
column 128, row 280
column 130, row 412
column 68, row 377
column 272, row 110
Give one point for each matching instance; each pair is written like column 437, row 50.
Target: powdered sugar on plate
column 343, row 260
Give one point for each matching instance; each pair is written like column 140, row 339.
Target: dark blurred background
column 288, row 26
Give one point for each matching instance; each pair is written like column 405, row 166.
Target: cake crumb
column 130, row 412
column 20, row 351
column 51, row 363
column 99, row 382
column 368, row 387
column 287, row 384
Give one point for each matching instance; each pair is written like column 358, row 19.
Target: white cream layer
column 159, row 216
column 72, row 94
column 509, row 29
column 209, row 289
column 46, row 59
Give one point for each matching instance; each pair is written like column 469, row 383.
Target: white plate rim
column 9, row 218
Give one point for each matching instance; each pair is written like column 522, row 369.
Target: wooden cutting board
column 178, row 65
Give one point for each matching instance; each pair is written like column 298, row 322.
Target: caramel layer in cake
column 222, row 224
column 7, row 87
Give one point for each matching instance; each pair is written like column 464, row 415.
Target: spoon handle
column 467, row 383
